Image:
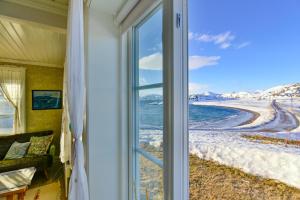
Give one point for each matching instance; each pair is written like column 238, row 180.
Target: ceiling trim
column 26, row 62
column 125, row 10
column 45, row 5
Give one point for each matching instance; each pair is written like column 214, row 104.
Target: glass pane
column 6, row 116
column 244, row 114
column 151, row 180
column 150, row 112
column 150, row 50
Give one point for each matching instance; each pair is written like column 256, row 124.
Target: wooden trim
column 45, row 5
column 27, row 15
column 27, row 62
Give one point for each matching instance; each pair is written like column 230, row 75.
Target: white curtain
column 66, row 135
column 12, row 85
column 76, row 98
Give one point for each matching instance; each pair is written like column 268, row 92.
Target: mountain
column 206, row 96
column 278, row 92
column 282, row 91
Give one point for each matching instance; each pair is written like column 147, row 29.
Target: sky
column 234, row 45
column 243, row 45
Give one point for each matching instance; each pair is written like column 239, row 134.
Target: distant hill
column 278, row 92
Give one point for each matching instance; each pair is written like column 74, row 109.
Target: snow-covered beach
column 226, row 146
column 275, row 161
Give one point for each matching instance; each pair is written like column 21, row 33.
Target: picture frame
column 46, row 99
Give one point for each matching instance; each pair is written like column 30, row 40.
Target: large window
column 7, row 112
column 148, row 107
column 244, row 99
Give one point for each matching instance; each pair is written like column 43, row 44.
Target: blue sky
column 243, row 45
column 234, row 45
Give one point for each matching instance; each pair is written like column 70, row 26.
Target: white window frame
column 176, row 157
column 175, row 91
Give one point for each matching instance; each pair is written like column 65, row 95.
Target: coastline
column 255, row 115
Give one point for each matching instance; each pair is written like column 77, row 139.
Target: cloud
column 242, row 45
column 154, row 61
column 196, row 62
column 223, row 40
column 196, row 88
column 151, row 62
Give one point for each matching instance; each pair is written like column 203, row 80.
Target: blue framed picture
column 46, row 99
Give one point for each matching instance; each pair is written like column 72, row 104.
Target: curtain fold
column 12, row 85
column 76, row 98
column 66, row 135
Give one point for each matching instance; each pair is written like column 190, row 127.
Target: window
column 7, row 112
column 12, row 100
column 244, row 99
column 148, row 107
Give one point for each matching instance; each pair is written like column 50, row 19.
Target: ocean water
column 200, row 117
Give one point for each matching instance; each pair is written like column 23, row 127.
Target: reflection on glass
column 151, row 121
column 6, row 116
column 150, row 50
column 151, row 180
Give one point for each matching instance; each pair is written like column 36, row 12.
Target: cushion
column 39, row 145
column 17, row 150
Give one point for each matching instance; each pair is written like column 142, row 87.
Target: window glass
column 244, row 86
column 151, row 180
column 6, row 116
column 151, row 121
column 149, row 43
column 149, row 107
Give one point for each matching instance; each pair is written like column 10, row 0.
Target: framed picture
column 46, row 99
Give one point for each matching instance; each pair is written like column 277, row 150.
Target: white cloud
column 223, row 40
column 151, row 62
column 196, row 88
column 196, row 62
column 154, row 61
column 242, row 45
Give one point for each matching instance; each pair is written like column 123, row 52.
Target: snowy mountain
column 278, row 92
column 206, row 96
column 282, row 91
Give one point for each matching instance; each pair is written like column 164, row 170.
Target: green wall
column 43, row 78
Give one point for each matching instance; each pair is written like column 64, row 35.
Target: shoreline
column 255, row 115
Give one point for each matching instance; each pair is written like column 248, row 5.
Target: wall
column 43, row 78
column 103, row 107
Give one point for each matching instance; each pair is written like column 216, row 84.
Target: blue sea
column 200, row 117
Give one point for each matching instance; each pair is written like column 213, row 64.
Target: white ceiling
column 24, row 42
column 29, row 44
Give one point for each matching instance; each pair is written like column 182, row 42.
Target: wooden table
column 15, row 183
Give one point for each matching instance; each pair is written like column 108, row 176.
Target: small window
column 7, row 113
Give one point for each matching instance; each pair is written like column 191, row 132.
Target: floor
column 51, row 191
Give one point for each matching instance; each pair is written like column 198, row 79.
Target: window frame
column 175, row 92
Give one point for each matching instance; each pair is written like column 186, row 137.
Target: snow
column 226, row 146
column 266, row 160
column 272, row 161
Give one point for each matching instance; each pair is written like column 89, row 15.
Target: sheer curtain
column 75, row 77
column 12, row 85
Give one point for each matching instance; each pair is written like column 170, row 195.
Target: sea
column 201, row 117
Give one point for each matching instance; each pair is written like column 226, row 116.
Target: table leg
column 21, row 196
column 10, row 197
